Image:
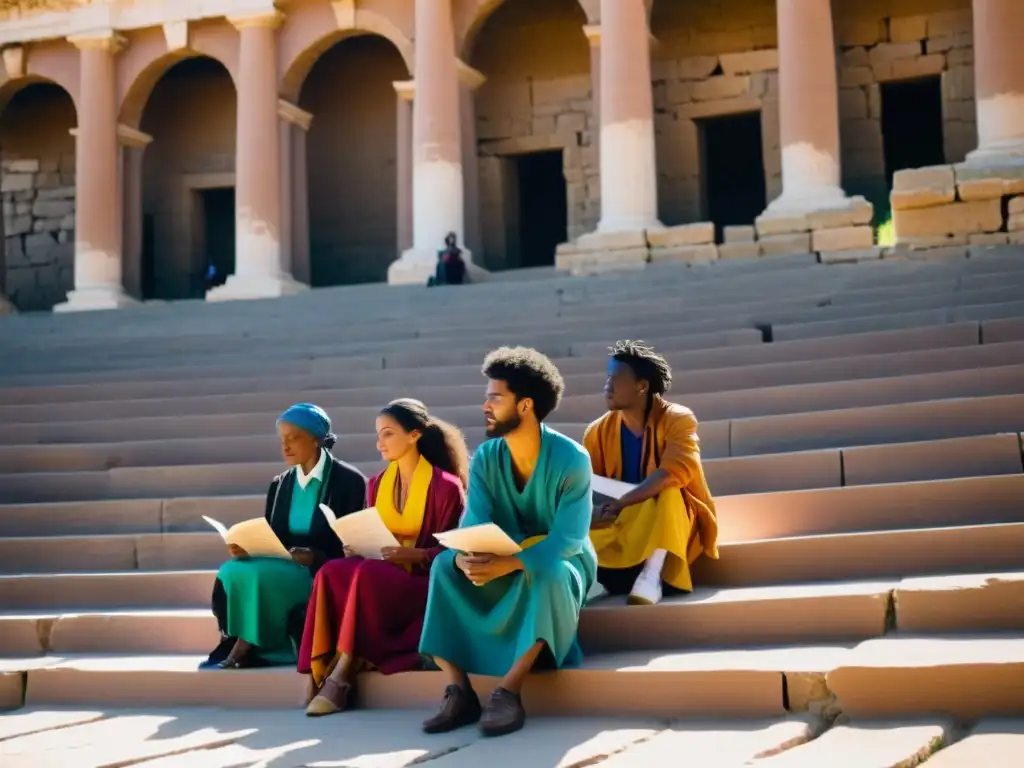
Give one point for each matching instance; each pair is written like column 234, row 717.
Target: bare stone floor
column 218, row 738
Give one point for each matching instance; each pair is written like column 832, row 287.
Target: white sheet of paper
column 486, row 539
column 363, row 532
column 255, row 536
column 613, row 489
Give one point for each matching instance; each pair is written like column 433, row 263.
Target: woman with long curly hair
column 369, row 613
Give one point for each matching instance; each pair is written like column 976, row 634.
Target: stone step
column 944, row 502
column 991, row 743
column 366, row 371
column 966, row 676
column 578, row 408
column 466, row 389
column 865, row 555
column 826, row 468
column 866, row 745
column 968, row 602
column 739, row 617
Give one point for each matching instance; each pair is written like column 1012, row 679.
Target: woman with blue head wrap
column 260, row 602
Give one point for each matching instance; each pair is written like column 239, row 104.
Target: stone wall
column 689, row 89
column 876, row 50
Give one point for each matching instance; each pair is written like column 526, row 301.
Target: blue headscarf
column 313, row 419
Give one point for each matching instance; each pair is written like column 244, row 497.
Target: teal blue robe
column 483, row 630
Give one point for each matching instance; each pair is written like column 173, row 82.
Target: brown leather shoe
column 503, row 713
column 461, row 707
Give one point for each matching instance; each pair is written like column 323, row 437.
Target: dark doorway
column 147, row 276
column 543, row 214
column 732, row 170
column 912, row 125
column 217, row 216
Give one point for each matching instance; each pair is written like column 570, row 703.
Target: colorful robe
column 262, row 599
column 484, row 630
column 681, row 519
column 372, row 610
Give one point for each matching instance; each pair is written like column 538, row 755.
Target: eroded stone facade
column 529, row 78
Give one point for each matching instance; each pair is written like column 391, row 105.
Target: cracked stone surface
column 866, row 745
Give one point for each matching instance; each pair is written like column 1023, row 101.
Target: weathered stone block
column 17, row 182
column 919, row 66
column 739, row 250
column 932, row 241
column 47, row 180
column 995, row 238
column 598, row 262
column 721, row 87
column 749, row 62
column 958, row 83
column 1015, row 222
column 959, row 57
column 17, row 225
column 696, row 67
column 851, row 77
column 571, row 122
column 950, row 22
column 874, row 253
column 854, row 57
column 940, row 44
column 949, row 219
column 923, row 187
column 856, row 212
column 1017, row 238
column 857, row 32
column 21, row 165
column 56, row 193
column 680, row 92
column 46, row 225
column 842, row 239
column 889, row 52
column 908, row 29
column 689, row 254
column 686, row 234
column 780, row 245
column 607, row 241
column 781, row 225
column 560, row 90
column 1016, row 204
column 853, row 104
column 737, row 234
column 1010, row 178
column 53, row 208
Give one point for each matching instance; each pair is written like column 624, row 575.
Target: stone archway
column 37, row 158
column 351, row 155
column 188, row 179
column 536, row 130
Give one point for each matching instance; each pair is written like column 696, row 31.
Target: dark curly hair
column 646, row 364
column 440, row 443
column 528, row 373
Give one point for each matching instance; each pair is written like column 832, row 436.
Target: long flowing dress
column 484, row 630
column 681, row 520
column 372, row 610
column 262, row 600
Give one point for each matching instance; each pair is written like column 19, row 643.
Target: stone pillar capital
column 294, row 115
column 14, row 61
column 271, row 19
column 130, row 137
column 406, row 89
column 470, row 77
column 593, row 33
column 103, row 40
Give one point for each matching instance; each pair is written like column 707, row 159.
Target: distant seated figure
column 260, row 602
column 656, row 531
column 451, row 267
column 369, row 613
column 498, row 616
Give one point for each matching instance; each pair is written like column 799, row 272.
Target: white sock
column 654, row 564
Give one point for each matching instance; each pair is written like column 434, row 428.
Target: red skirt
column 369, row 610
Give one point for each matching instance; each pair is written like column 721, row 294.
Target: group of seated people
column 423, row 606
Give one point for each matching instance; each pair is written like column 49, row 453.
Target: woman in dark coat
column 260, row 602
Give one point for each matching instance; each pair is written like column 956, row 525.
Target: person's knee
column 549, row 574
column 443, row 568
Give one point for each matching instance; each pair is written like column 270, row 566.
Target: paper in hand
column 605, row 489
column 363, row 532
column 485, row 539
column 255, row 536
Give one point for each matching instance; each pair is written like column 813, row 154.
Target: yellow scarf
column 404, row 524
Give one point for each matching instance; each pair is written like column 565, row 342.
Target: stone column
column 260, row 269
column 133, row 147
column 295, row 124
column 593, row 33
column 470, row 81
column 98, row 268
column 629, row 180
column 404, row 91
column 437, row 193
column 808, row 110
column 999, row 81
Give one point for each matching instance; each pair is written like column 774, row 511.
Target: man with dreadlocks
column 654, row 532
